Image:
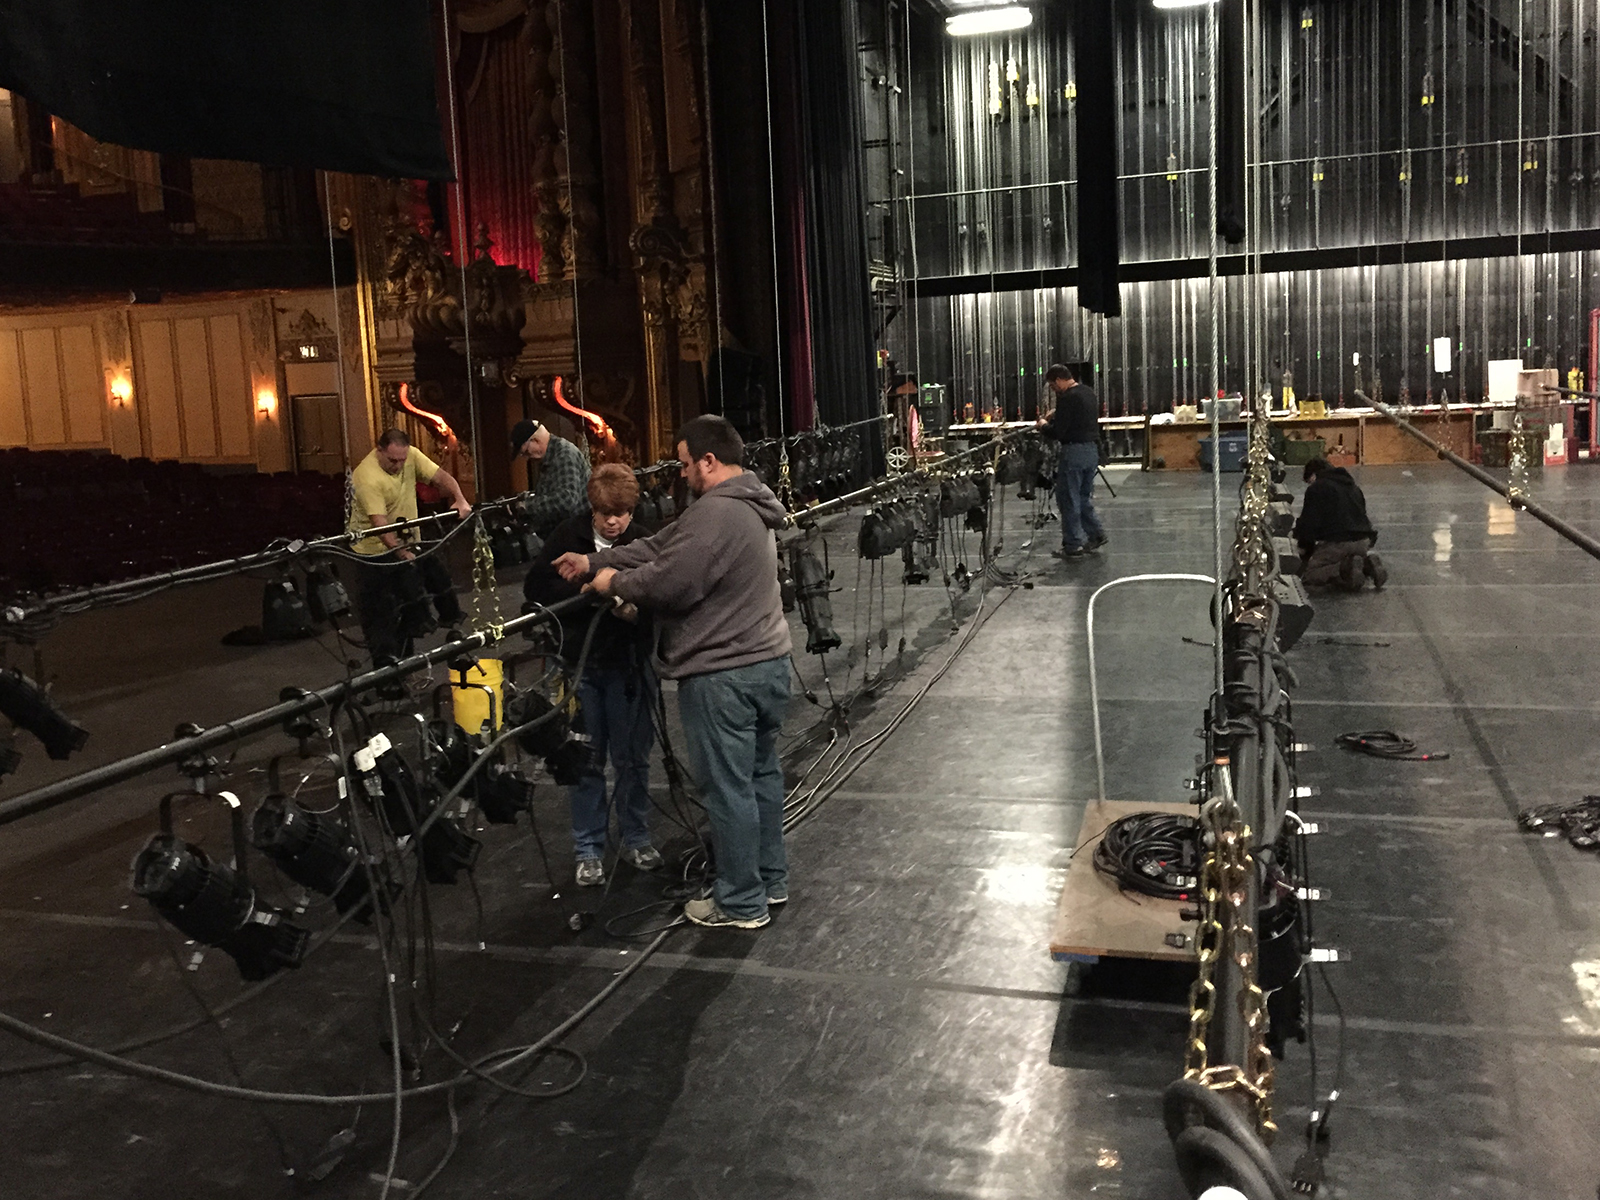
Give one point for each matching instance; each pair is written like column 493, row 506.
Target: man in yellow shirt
column 394, row 583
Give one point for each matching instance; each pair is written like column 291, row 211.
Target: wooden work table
column 1361, row 432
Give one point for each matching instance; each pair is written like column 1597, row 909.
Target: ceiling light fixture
column 1182, row 3
column 988, row 20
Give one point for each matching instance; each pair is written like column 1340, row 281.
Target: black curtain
column 345, row 85
column 1230, row 122
column 840, row 298
column 1099, row 240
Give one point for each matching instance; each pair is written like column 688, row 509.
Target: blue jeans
column 1075, row 494
column 616, row 704
column 730, row 722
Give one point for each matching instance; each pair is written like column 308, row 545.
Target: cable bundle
column 1579, row 821
column 1386, row 743
column 1154, row 854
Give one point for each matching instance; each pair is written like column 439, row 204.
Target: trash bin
column 1232, row 456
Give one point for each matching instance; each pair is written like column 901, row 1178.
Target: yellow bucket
column 478, row 696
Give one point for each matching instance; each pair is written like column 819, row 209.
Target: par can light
column 28, row 706
column 211, row 903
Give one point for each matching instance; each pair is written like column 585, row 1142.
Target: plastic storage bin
column 1232, row 457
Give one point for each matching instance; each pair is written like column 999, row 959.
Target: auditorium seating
column 62, row 214
column 72, row 519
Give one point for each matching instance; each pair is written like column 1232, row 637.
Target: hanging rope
column 338, row 338
column 464, row 252
column 1213, row 41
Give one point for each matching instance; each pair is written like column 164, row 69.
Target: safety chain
column 1210, row 938
column 785, row 490
column 349, row 495
column 1252, row 556
column 1517, row 483
column 1224, row 879
column 483, row 585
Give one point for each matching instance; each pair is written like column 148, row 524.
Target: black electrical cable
column 1152, row 853
column 139, row 1070
column 1386, row 743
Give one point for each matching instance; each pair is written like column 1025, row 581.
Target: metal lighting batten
column 988, row 20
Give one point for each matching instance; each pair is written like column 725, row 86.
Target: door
column 317, row 444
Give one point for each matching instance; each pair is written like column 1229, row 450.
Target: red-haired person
column 616, row 695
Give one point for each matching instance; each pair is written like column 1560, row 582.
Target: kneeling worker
column 616, row 696
column 1333, row 531
column 711, row 579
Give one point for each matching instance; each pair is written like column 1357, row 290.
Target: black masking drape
column 346, row 85
column 1230, row 122
column 1099, row 240
column 836, row 233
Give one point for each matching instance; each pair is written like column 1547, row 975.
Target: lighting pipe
column 231, row 732
column 839, row 503
column 1577, row 537
column 19, row 614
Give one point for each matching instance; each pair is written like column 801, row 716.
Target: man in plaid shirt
column 563, row 476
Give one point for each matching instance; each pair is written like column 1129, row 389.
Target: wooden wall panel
column 235, row 404
column 156, row 390
column 196, row 399
column 83, row 386
column 41, row 381
column 13, row 415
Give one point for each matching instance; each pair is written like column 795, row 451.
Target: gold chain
column 483, row 586
column 1517, row 484
column 1252, row 550
column 785, row 491
column 1203, row 993
column 1224, row 879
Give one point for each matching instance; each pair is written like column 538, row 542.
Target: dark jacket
column 711, row 578
column 1334, row 510
column 617, row 643
column 1077, row 416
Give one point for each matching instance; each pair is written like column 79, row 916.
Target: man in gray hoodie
column 711, row 581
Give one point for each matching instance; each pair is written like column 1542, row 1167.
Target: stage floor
column 899, row 1030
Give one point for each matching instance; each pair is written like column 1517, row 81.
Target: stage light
column 988, row 20
column 392, row 789
column 567, row 751
column 816, row 610
column 28, row 706
column 312, row 849
column 211, row 903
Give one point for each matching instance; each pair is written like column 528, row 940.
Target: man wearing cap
column 563, row 476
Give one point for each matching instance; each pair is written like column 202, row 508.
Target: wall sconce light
column 121, row 391
column 266, row 403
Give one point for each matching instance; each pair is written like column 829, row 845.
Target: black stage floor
column 899, row 1030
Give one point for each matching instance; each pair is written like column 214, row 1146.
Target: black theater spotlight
column 313, row 849
column 28, row 706
column 214, row 903
column 816, row 610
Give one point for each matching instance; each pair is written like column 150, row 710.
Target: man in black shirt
column 1335, row 535
column 1076, row 425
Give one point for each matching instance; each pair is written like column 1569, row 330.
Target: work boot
column 1353, row 573
column 1376, row 571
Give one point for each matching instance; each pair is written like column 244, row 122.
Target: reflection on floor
column 899, row 1030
